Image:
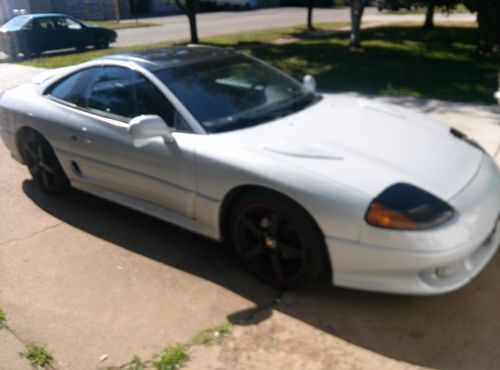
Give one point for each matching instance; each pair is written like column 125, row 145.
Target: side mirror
column 148, row 126
column 309, row 83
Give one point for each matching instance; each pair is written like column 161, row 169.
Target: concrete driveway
column 88, row 278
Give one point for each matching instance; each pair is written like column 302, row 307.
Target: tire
column 31, row 53
column 277, row 240
column 102, row 43
column 42, row 164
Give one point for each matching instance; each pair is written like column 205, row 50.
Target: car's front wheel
column 43, row 164
column 277, row 240
column 102, row 42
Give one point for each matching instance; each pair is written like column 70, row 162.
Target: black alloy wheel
column 43, row 164
column 277, row 240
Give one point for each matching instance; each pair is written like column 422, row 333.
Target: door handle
column 73, row 137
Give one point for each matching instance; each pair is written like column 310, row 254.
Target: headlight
column 406, row 207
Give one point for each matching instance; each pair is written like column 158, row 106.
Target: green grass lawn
column 395, row 60
column 120, row 25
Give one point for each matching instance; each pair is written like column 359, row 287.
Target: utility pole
column 117, row 11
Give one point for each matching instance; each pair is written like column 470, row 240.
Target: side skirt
column 153, row 210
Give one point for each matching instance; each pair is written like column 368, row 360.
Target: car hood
column 367, row 146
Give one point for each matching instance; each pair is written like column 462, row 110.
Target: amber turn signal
column 382, row 216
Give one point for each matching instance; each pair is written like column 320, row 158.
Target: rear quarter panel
column 23, row 107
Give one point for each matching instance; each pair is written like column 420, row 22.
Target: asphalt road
column 175, row 28
column 88, row 278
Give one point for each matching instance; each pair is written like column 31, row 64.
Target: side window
column 46, row 24
column 123, row 94
column 71, row 89
column 68, row 23
column 113, row 92
column 73, row 25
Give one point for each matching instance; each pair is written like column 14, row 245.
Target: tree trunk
column 429, row 16
column 310, row 6
column 357, row 7
column 117, row 11
column 191, row 8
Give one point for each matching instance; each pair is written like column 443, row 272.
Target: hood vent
column 460, row 135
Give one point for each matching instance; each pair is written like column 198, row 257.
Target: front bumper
column 454, row 255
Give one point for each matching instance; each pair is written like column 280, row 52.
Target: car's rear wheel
column 277, row 240
column 43, row 164
column 101, row 43
column 32, row 53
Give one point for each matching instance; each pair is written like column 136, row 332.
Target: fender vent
column 76, row 168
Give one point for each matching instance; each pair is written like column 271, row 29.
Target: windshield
column 15, row 23
column 234, row 92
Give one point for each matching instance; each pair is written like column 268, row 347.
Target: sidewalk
column 10, row 349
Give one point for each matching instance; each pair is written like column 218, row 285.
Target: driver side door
column 105, row 157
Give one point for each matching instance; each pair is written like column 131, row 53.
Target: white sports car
column 299, row 182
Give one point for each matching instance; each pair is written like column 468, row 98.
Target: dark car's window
column 72, row 88
column 68, row 23
column 47, row 24
column 234, row 92
column 15, row 23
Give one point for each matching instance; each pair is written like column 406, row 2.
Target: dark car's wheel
column 102, row 42
column 31, row 53
column 277, row 240
column 43, row 164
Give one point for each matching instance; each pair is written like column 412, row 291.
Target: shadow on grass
column 440, row 63
column 452, row 331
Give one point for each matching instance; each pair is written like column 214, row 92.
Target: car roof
column 19, row 21
column 43, row 15
column 161, row 58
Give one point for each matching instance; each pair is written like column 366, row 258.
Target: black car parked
column 32, row 34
